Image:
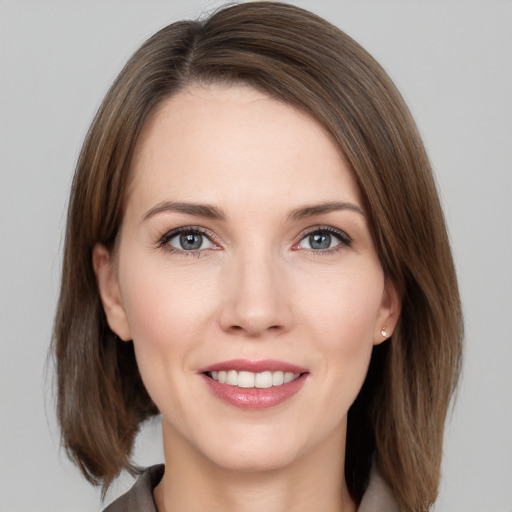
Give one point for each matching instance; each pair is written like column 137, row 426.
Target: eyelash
column 344, row 239
column 163, row 243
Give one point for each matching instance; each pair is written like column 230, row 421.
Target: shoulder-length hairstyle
column 397, row 421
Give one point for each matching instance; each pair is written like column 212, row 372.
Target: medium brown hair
column 397, row 421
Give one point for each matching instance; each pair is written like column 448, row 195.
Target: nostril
column 252, row 330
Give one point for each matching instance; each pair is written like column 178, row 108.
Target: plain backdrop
column 452, row 60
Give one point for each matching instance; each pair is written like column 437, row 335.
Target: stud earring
column 384, row 332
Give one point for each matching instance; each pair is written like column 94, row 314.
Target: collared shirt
column 377, row 498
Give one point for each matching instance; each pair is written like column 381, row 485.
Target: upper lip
column 240, row 365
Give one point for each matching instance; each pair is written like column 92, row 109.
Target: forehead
column 212, row 142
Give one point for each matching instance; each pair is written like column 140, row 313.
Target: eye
column 324, row 239
column 188, row 240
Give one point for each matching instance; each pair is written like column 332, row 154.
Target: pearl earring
column 384, row 333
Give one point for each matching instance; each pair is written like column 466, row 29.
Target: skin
column 255, row 290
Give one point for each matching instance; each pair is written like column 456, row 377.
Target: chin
column 254, row 462
column 262, row 453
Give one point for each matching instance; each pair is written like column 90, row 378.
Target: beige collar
column 379, row 496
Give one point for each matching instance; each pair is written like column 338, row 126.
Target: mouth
column 248, row 380
column 254, row 385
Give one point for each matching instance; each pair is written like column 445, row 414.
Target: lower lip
column 255, row 399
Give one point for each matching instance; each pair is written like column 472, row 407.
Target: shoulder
column 140, row 497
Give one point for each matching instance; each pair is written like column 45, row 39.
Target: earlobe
column 389, row 313
column 110, row 294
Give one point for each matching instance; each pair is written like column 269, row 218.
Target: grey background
column 453, row 62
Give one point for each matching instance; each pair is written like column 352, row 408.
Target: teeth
column 263, row 380
column 260, row 380
column 277, row 378
column 288, row 377
column 232, row 378
column 245, row 379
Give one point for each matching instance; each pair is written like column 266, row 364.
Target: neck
column 193, row 483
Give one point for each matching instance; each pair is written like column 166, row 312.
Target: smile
column 254, row 385
column 245, row 379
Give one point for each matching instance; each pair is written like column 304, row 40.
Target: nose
column 256, row 297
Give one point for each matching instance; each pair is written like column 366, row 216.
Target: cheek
column 162, row 303
column 345, row 305
column 342, row 322
column 165, row 313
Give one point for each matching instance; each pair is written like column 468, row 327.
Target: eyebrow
column 318, row 209
column 198, row 210
column 213, row 212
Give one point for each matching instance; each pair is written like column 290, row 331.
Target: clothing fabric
column 140, row 497
column 377, row 498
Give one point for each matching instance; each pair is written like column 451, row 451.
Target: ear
column 108, row 284
column 388, row 315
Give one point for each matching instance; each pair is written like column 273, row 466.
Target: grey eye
column 320, row 240
column 190, row 241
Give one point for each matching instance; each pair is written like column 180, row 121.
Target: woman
column 255, row 250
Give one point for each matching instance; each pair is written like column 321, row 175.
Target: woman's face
column 245, row 261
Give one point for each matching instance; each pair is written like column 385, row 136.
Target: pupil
column 191, row 241
column 320, row 241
